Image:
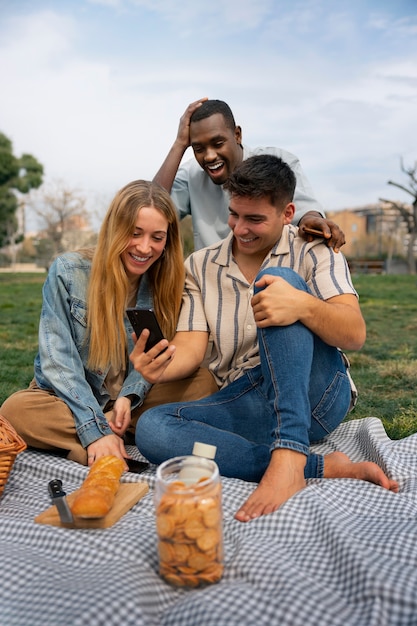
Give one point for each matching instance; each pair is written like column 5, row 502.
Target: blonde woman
column 85, row 393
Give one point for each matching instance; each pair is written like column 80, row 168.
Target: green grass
column 20, row 305
column 385, row 370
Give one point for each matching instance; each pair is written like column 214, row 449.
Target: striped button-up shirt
column 217, row 297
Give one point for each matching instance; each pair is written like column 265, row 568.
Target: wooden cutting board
column 126, row 497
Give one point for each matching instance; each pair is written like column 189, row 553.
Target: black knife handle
column 55, row 488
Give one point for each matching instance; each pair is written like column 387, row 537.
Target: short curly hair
column 211, row 107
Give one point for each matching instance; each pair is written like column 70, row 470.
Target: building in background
column 374, row 232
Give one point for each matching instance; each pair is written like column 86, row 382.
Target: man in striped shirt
column 277, row 310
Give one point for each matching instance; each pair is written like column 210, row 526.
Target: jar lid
column 204, row 449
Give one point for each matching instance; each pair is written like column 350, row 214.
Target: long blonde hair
column 108, row 287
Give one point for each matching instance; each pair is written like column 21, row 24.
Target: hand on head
column 183, row 134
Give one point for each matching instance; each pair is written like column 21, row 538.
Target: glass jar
column 189, row 521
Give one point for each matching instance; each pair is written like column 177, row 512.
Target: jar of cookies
column 189, row 521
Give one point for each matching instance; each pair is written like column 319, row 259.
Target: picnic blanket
column 340, row 552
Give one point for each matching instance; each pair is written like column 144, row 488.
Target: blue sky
column 95, row 88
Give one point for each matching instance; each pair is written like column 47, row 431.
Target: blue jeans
column 297, row 395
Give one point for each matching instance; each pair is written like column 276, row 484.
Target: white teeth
column 140, row 259
column 247, row 240
column 216, row 166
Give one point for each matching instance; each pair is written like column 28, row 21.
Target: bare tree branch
column 63, row 211
column 408, row 214
column 410, row 171
column 404, row 212
column 410, row 191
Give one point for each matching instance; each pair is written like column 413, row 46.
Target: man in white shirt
column 196, row 186
column 279, row 311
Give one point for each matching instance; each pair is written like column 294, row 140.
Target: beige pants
column 44, row 421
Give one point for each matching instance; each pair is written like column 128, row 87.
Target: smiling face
column 257, row 225
column 147, row 242
column 216, row 146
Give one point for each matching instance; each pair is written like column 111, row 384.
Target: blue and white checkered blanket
column 340, row 552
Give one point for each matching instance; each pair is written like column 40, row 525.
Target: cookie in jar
column 189, row 520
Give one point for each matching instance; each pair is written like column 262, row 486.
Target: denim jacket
column 61, row 363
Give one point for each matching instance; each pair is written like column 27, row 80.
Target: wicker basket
column 10, row 446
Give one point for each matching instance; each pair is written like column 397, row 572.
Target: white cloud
column 192, row 13
column 98, row 120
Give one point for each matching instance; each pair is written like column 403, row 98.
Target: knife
column 58, row 497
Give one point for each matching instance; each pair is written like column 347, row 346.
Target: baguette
column 96, row 495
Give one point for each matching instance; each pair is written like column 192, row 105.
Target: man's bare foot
column 338, row 465
column 283, row 478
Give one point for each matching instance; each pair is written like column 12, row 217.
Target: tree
column 408, row 213
column 16, row 175
column 186, row 227
column 65, row 218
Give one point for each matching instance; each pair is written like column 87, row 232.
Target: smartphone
column 145, row 318
column 313, row 231
column 137, row 467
